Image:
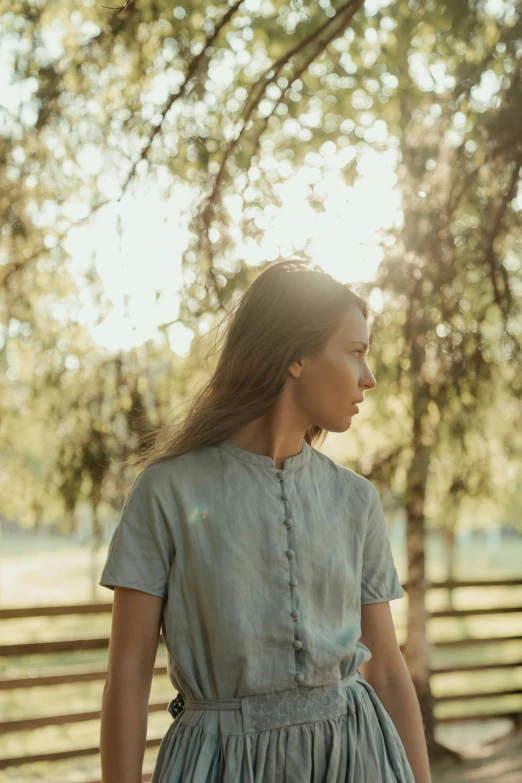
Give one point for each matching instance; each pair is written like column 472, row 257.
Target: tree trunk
column 417, row 648
column 450, row 553
column 96, row 540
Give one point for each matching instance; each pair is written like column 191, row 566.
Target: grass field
column 43, row 572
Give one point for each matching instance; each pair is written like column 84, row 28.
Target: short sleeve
column 142, row 548
column 380, row 580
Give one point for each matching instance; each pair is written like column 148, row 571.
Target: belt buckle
column 176, row 705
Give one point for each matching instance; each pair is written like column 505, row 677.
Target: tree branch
column 345, row 15
column 120, row 9
column 341, row 26
column 503, row 299
column 14, row 268
column 191, row 70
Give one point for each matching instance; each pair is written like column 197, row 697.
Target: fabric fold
column 359, row 746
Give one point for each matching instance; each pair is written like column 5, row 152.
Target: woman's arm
column 136, row 622
column 386, row 672
column 400, row 702
column 123, row 730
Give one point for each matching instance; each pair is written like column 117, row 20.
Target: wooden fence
column 81, row 673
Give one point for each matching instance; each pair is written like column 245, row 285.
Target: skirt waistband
column 280, row 708
column 213, row 704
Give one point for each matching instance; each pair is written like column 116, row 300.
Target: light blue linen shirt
column 262, row 571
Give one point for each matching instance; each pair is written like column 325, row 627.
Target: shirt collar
column 296, row 461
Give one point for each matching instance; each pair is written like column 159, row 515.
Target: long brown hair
column 290, row 310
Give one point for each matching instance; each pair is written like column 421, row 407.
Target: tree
column 233, row 99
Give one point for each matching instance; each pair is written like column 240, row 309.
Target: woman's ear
column 295, row 368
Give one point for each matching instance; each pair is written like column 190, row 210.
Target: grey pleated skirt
column 339, row 733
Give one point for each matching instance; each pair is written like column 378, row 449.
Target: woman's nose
column 369, row 381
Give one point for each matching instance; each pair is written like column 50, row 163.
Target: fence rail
column 71, row 674
column 49, row 676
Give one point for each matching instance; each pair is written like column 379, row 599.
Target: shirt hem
column 384, row 599
column 111, row 584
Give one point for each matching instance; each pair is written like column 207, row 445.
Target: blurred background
column 153, row 159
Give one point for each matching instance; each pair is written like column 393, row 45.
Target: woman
column 266, row 565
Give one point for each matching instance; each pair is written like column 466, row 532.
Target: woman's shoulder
column 178, row 468
column 343, row 474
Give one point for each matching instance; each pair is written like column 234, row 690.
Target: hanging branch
column 15, row 267
column 342, row 25
column 344, row 16
column 120, row 9
column 191, row 70
column 490, row 255
column 493, row 148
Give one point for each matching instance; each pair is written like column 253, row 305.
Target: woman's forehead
column 353, row 327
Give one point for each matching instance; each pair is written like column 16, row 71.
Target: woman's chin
column 342, row 426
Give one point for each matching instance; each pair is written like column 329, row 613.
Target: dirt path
column 499, row 762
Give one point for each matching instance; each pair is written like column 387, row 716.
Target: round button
column 295, row 614
column 299, row 677
column 297, row 644
column 280, row 475
column 293, row 582
column 289, row 522
column 290, row 553
column 284, row 496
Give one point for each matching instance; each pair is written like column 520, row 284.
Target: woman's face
column 331, row 382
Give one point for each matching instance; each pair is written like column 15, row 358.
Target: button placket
column 292, row 582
